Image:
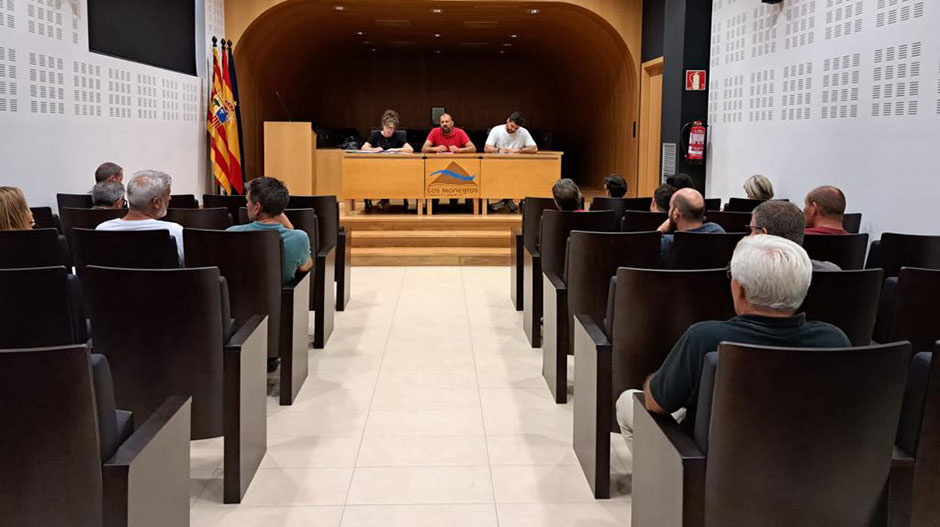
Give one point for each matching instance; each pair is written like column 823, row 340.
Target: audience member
column 661, row 198
column 615, row 186
column 759, row 187
column 686, row 214
column 109, row 172
column 148, row 195
column 823, row 209
column 14, row 211
column 784, row 219
column 770, row 277
column 109, row 194
column 267, row 199
column 567, row 195
column 680, row 181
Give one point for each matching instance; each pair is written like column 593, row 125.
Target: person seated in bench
column 686, row 214
column 14, row 211
column 109, row 172
column 770, row 277
column 386, row 140
column 661, row 198
column 615, row 186
column 267, row 199
column 148, row 195
column 823, row 209
column 758, row 187
column 509, row 138
column 784, row 219
column 109, row 194
column 567, row 195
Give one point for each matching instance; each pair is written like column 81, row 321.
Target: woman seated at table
column 386, row 140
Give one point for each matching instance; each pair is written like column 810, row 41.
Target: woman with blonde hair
column 759, row 187
column 14, row 212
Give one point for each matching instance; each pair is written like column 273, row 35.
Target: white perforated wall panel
column 843, row 92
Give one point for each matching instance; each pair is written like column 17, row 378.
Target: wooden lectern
column 290, row 154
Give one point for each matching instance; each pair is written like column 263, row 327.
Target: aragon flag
column 231, row 124
column 218, row 143
column 238, row 107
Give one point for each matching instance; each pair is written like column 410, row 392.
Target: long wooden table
column 424, row 177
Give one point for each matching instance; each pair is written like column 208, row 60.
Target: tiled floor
column 426, row 408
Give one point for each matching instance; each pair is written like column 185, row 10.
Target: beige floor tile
column 530, row 450
column 523, row 362
column 343, row 378
column 598, row 514
column 423, row 398
column 440, row 343
column 319, row 362
column 427, row 378
column 428, row 360
column 520, row 398
column 206, row 453
column 426, row 485
column 494, row 377
column 311, row 451
column 461, row 421
column 317, row 397
column 266, row 516
column 290, row 423
column 524, row 421
column 198, row 479
column 419, row 516
column 540, row 484
column 417, row 451
column 287, row 487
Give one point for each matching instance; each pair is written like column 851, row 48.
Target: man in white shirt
column 148, row 196
column 509, row 138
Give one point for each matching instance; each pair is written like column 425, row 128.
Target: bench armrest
column 148, row 476
column 555, row 280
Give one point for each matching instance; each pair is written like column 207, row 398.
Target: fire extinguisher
column 695, row 153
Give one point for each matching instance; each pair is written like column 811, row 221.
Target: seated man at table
column 567, row 195
column 770, row 277
column 447, row 138
column 109, row 194
column 686, row 214
column 267, row 199
column 386, row 140
column 823, row 210
column 148, row 194
column 509, row 138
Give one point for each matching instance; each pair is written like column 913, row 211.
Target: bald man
column 823, row 210
column 448, row 139
column 686, row 214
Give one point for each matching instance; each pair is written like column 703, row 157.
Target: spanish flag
column 231, row 124
column 219, row 157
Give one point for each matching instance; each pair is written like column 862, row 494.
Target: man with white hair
column 148, row 196
column 770, row 276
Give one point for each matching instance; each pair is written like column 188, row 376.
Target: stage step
column 445, row 239
column 435, row 238
column 415, row 256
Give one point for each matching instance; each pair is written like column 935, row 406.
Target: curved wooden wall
column 573, row 69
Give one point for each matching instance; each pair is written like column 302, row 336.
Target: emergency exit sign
column 694, row 80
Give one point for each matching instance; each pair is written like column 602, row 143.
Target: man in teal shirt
column 267, row 199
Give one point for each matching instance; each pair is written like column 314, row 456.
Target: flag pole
column 238, row 109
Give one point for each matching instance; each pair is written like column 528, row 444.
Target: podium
column 290, row 154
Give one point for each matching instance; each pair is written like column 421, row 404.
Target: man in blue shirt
column 686, row 214
column 267, row 199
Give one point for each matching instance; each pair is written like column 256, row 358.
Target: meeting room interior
column 469, row 263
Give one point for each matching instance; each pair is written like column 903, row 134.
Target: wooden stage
column 395, row 239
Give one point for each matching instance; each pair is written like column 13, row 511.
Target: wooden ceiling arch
column 295, row 48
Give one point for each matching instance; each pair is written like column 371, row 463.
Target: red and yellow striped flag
column 231, row 124
column 219, row 113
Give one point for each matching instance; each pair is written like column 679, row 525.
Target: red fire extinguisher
column 695, row 153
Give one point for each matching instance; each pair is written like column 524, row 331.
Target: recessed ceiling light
column 360, row 33
column 502, row 52
column 373, row 49
column 514, row 36
column 533, row 11
column 367, row 42
column 339, row 7
column 507, row 44
column 437, row 51
column 437, row 35
column 437, row 10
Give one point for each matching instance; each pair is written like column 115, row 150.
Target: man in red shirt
column 448, row 138
column 823, row 209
